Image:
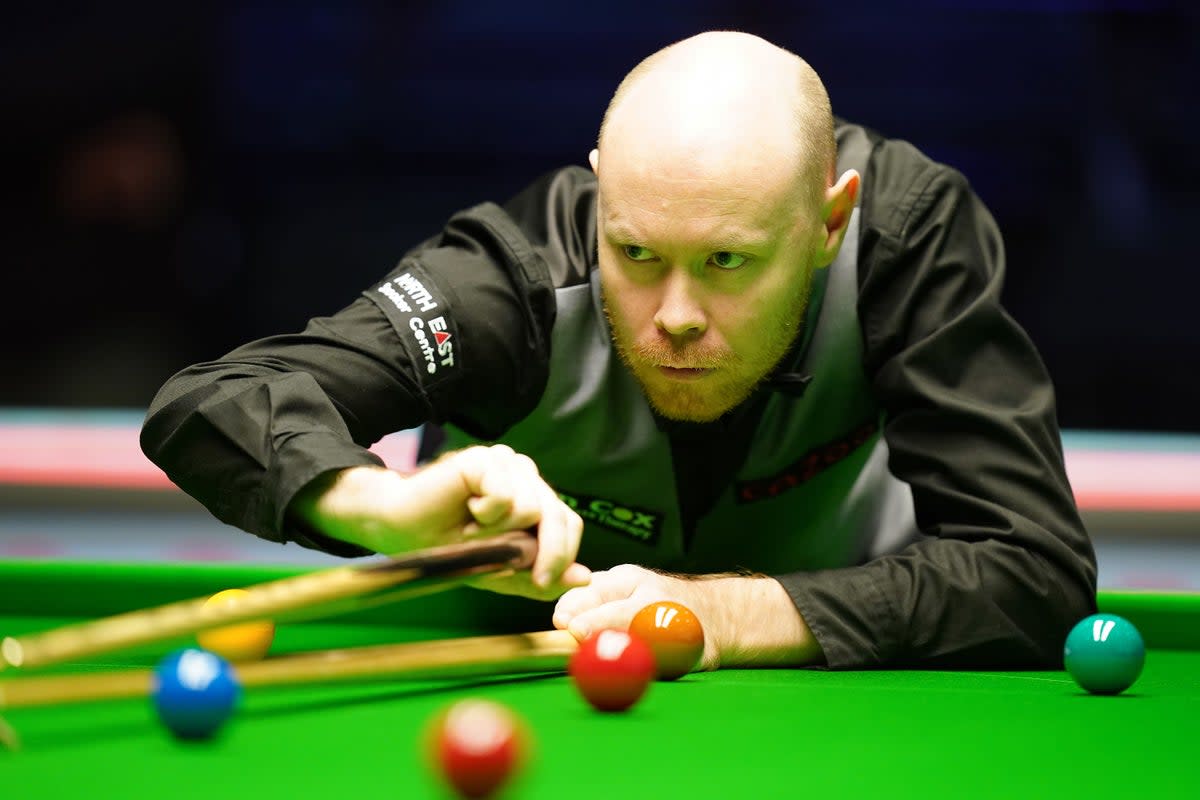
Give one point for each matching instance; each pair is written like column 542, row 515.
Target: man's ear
column 594, row 160
column 836, row 209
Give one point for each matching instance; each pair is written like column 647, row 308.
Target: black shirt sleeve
column 1006, row 567
column 460, row 326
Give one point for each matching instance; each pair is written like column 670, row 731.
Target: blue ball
column 195, row 692
column 1104, row 653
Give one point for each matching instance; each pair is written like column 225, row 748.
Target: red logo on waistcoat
column 805, row 468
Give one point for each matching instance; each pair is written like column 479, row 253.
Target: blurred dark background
column 177, row 180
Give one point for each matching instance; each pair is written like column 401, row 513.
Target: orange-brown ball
column 674, row 634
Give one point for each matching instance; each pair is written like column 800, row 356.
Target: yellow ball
column 246, row 641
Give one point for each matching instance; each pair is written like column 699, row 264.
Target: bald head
column 726, row 105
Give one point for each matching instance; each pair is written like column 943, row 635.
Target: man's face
column 705, row 279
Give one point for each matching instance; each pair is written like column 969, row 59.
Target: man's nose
column 680, row 312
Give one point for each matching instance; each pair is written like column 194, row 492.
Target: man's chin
column 684, row 405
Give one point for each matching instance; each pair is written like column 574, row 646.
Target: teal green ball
column 1104, row 653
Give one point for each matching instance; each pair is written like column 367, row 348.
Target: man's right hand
column 467, row 494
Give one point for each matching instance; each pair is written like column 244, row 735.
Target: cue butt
column 338, row 587
column 505, row 654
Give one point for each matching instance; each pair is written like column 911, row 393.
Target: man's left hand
column 747, row 620
column 613, row 596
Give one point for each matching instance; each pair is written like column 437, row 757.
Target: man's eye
column 726, row 260
column 635, row 252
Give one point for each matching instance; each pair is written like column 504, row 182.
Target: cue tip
column 11, row 653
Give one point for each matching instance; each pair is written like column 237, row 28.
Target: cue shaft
column 445, row 658
column 63, row 689
column 438, row 568
column 542, row 651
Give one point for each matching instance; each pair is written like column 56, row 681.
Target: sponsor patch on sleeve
column 421, row 317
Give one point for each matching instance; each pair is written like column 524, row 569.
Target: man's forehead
column 727, row 225
column 742, row 206
column 683, row 157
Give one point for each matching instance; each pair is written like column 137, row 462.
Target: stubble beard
column 705, row 400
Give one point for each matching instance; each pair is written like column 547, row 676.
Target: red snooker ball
column 673, row 633
column 478, row 746
column 612, row 669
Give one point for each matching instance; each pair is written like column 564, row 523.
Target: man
column 772, row 367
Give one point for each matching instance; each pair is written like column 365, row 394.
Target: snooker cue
column 422, row 572
column 542, row 651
